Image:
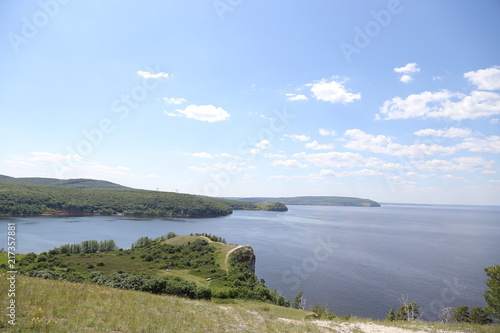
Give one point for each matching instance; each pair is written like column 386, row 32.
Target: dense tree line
column 213, row 238
column 29, row 199
column 88, row 246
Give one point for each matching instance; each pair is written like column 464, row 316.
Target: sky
column 395, row 100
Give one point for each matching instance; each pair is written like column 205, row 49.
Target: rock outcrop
column 244, row 254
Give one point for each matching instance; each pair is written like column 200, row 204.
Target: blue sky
column 396, row 101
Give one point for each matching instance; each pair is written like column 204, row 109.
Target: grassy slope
column 61, row 306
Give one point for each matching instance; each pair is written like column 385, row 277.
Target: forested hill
column 37, row 196
column 316, row 201
column 29, row 199
column 78, row 183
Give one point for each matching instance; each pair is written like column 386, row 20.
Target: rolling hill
column 315, row 201
column 37, row 196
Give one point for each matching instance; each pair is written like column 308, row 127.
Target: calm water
column 353, row 260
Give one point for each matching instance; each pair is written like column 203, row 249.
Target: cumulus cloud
column 291, row 164
column 451, row 132
column 264, row 144
column 333, row 91
column 296, row 137
column 442, row 104
column 485, row 79
column 273, row 155
column 411, row 67
column 229, row 166
column 316, row 145
column 173, row 100
column 148, row 75
column 208, row 113
column 459, row 164
column 406, row 78
column 489, row 144
column 296, row 97
column 323, row 131
column 356, row 139
column 200, row 155
column 333, row 159
column 406, row 72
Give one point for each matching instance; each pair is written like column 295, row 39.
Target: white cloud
column 264, row 144
column 316, row 145
column 381, row 144
column 148, row 75
column 272, row 155
column 485, row 79
column 359, row 173
column 229, row 166
column 255, row 151
column 208, row 113
column 406, row 70
column 295, row 97
column 451, row 177
column 380, row 164
column 291, row 163
column 332, row 91
column 411, row 67
column 451, row 132
column 333, row 159
column 173, row 100
column 459, row 164
column 406, row 78
column 490, row 144
column 152, row 177
column 296, row 137
column 326, row 172
column 323, row 131
column 199, row 155
column 443, row 104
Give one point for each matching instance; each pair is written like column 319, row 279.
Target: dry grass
column 61, row 306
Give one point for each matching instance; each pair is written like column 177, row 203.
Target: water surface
column 353, row 260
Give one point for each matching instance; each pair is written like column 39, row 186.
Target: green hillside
column 78, row 183
column 196, row 267
column 28, row 199
column 316, row 201
column 36, row 196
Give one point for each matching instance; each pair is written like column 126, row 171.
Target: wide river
column 353, row 260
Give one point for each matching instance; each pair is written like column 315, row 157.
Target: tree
column 446, row 314
column 492, row 296
column 477, row 315
column 409, row 311
column 461, row 314
column 391, row 316
column 299, row 301
column 319, row 310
